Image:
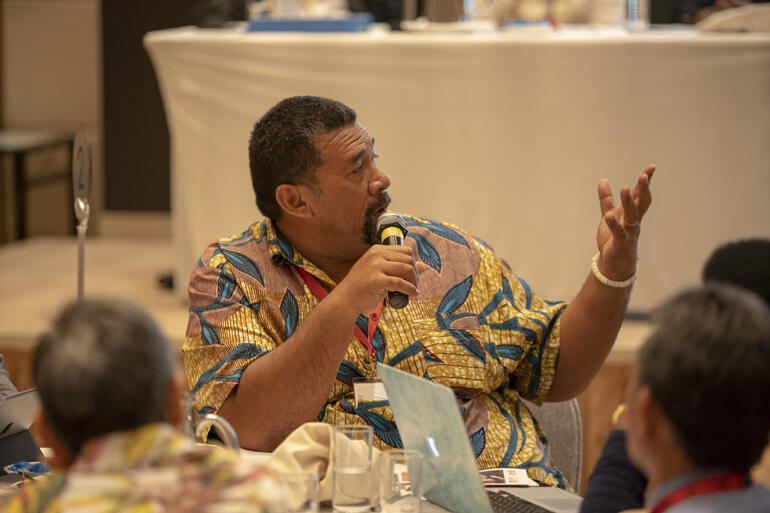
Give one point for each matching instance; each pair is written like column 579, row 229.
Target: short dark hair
column 707, row 365
column 744, row 263
column 104, row 366
column 282, row 148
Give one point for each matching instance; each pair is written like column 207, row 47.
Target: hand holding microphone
column 391, row 230
column 381, row 271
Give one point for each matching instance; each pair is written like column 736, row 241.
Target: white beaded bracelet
column 606, row 281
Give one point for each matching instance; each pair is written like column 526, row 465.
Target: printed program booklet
column 506, row 477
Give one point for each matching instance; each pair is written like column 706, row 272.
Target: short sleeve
column 226, row 330
column 539, row 320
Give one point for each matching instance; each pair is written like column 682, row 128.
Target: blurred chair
column 563, row 427
column 20, row 143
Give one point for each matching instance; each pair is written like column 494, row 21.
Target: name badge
column 368, row 390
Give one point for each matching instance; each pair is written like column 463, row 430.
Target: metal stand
column 82, row 229
column 81, row 186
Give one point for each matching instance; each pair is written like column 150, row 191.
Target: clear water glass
column 354, row 484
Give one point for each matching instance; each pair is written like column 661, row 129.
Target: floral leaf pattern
column 470, row 344
column 411, row 350
column 239, row 240
column 290, row 314
column 226, row 285
column 209, row 334
column 438, row 229
column 244, row 264
column 384, row 428
column 478, row 441
column 451, row 301
column 347, row 371
column 254, row 307
column 429, row 356
column 243, row 351
column 426, row 251
column 378, row 343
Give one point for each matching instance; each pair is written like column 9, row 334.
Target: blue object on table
column 31, row 468
column 353, row 23
column 520, row 22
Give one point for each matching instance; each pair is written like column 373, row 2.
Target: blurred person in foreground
column 698, row 402
column 286, row 314
column 111, row 406
column 615, row 483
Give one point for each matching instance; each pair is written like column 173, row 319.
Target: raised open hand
column 618, row 232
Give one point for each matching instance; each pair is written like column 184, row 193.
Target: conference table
column 505, row 134
column 534, row 493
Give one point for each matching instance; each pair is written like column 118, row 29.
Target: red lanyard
column 374, row 317
column 707, row 486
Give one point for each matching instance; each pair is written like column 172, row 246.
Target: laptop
column 17, row 412
column 428, row 418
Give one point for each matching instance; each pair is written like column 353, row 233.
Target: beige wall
column 52, row 80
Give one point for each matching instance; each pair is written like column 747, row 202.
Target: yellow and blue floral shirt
column 474, row 327
column 150, row 469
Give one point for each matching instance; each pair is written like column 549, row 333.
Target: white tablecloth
column 504, row 134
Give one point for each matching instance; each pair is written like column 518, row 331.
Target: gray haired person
column 698, row 404
column 104, row 366
column 111, row 404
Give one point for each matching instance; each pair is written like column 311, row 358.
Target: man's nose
column 380, row 181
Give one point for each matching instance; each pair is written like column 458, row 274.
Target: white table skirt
column 504, row 134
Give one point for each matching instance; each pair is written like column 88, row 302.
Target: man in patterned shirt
column 110, row 393
column 285, row 315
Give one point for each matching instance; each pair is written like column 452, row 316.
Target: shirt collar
column 677, row 482
column 282, row 253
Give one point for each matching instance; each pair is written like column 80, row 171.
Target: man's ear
column 293, row 200
column 646, row 409
column 174, row 413
column 657, row 424
column 653, row 424
column 61, row 458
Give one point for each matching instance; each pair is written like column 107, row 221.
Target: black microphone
column 391, row 230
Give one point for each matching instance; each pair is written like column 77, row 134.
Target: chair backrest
column 563, row 428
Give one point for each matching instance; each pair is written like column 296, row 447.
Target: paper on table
column 506, row 477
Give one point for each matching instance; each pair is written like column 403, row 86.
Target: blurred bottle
column 444, row 11
column 637, row 15
column 409, row 9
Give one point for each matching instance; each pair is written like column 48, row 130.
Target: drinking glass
column 354, row 483
column 401, row 482
column 301, row 491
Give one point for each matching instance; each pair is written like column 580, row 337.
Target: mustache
column 370, row 231
column 383, row 201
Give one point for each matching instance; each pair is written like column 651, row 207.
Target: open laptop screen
column 18, row 411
